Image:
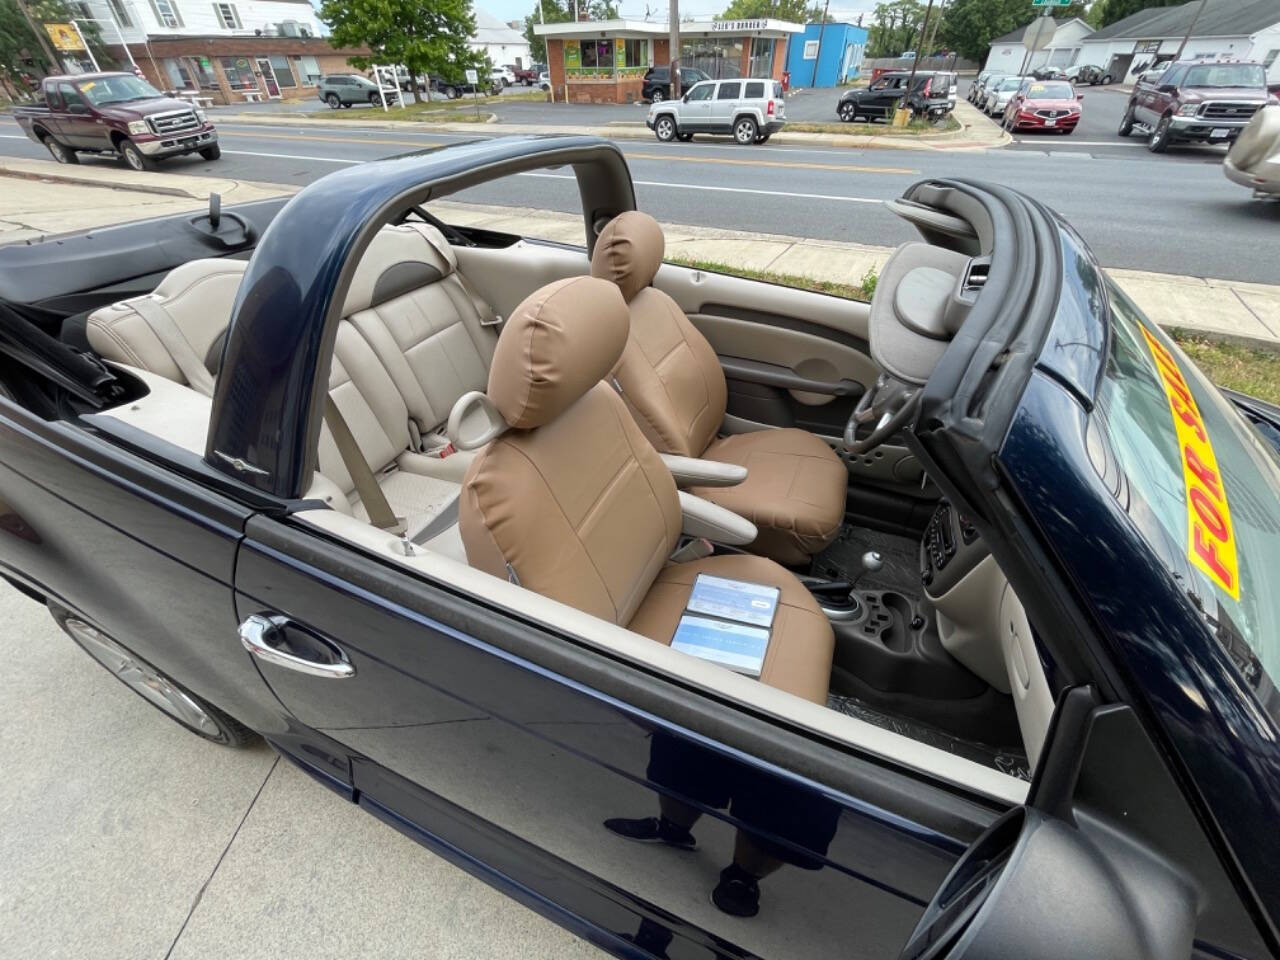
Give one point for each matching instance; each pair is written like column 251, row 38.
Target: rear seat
column 413, row 340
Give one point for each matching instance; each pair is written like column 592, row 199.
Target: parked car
column 502, row 76
column 656, row 85
column 523, row 75
column 749, row 110
column 999, row 94
column 1053, row 732
column 932, row 94
column 1254, row 159
column 1088, row 73
column 978, row 89
column 1048, row 73
column 1049, row 105
column 346, row 89
column 454, row 89
column 544, row 80
column 976, row 85
column 115, row 113
column 1195, row 101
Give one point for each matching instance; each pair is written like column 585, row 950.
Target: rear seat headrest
column 629, row 252
column 400, row 259
column 557, row 344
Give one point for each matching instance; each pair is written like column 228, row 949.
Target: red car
column 1044, row 105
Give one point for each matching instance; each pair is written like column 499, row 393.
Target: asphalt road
column 1174, row 213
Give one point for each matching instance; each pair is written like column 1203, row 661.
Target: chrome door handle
column 257, row 633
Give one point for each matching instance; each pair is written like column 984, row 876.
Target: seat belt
column 179, row 348
column 375, row 501
column 485, row 312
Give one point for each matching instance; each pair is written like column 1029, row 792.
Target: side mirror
column 1167, row 88
column 685, row 98
column 1079, row 96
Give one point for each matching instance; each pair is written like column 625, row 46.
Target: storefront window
column 761, row 57
column 284, row 74
column 239, row 73
column 179, row 79
column 597, row 56
column 717, row 57
column 203, row 70
column 308, row 70
column 637, row 53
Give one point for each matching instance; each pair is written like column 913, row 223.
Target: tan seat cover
column 576, row 505
column 794, row 492
column 802, row 644
column 674, row 386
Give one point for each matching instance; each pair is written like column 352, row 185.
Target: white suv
column 750, row 109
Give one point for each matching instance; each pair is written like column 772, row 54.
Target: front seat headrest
column 629, row 252
column 557, row 344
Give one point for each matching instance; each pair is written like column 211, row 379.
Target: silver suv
column 750, row 109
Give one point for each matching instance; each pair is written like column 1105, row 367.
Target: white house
column 1233, row 29
column 230, row 51
column 1008, row 55
column 500, row 41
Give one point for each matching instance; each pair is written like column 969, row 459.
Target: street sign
column 1039, row 33
column 1051, row 3
column 473, row 77
column 64, row 36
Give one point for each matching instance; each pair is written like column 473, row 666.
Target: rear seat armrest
column 692, row 472
column 702, row 518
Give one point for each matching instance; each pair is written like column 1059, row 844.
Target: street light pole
column 85, row 43
column 1183, row 45
column 822, row 27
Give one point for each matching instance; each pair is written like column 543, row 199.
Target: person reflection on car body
column 787, row 825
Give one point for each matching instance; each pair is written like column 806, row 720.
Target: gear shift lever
column 872, row 562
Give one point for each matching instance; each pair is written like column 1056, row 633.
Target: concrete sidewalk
column 977, row 132
column 78, row 198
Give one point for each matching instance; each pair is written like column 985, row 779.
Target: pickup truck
column 1195, row 101
column 524, row 75
column 116, row 113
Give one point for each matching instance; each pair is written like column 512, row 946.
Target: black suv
column 930, row 93
column 1088, row 73
column 657, row 82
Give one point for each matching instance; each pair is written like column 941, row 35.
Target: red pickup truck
column 116, row 113
column 1206, row 102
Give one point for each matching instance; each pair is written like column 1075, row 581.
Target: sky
column 635, row 9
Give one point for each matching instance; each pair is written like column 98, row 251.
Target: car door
column 695, row 109
column 725, row 105
column 511, row 749
column 79, row 129
column 886, row 97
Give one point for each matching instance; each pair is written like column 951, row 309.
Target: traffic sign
column 1051, row 3
column 472, row 77
column 1039, row 33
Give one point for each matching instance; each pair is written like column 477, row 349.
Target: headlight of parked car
column 1188, row 109
column 138, row 127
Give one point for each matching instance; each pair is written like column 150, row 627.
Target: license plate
column 188, row 141
column 1219, row 132
column 1051, row 123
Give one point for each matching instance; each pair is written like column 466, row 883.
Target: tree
column 428, row 37
column 22, row 50
column 1107, row 12
column 971, row 25
column 896, row 28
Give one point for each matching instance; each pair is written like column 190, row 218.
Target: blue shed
column 840, row 59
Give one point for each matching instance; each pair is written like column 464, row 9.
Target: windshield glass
column 1009, row 83
column 119, row 89
column 1051, row 91
column 1203, row 485
column 1226, row 75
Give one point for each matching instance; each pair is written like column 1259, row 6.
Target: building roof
column 1220, row 18
column 491, row 30
column 1015, row 36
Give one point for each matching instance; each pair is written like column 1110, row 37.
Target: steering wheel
column 890, row 404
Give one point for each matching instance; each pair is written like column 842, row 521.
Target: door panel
column 460, row 719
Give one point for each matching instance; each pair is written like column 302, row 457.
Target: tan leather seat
column 673, row 384
column 574, row 503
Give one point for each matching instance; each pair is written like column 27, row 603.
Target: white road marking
column 290, row 156
column 1086, row 143
column 695, row 186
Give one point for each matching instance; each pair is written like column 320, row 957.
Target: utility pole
column 903, row 113
column 42, row 37
column 673, row 42
column 822, row 28
column 1183, row 45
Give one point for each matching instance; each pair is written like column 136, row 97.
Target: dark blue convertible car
column 706, row 617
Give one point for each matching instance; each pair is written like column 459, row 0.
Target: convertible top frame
column 267, row 407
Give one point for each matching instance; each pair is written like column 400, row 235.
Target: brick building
column 604, row 61
column 225, row 50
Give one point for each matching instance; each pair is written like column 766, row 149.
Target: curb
column 1230, row 339
column 91, row 182
column 949, row 140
